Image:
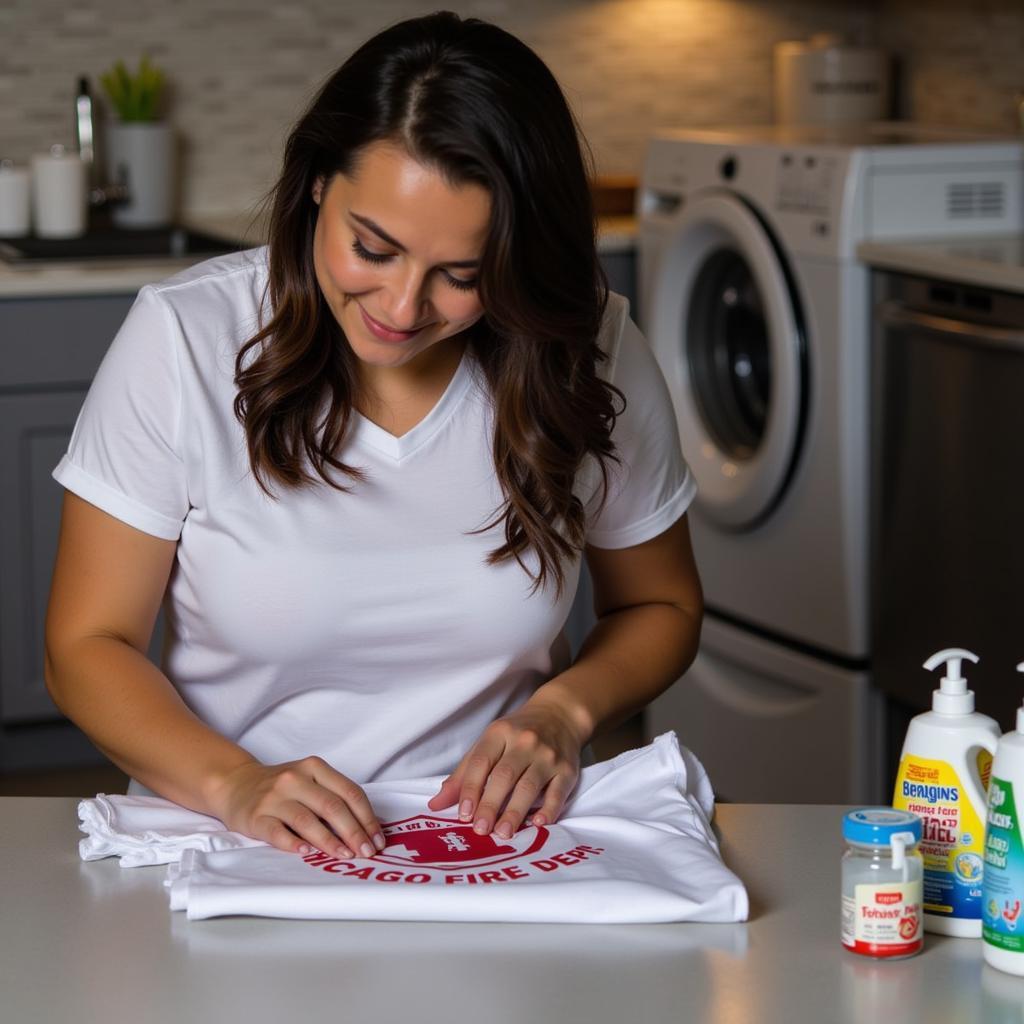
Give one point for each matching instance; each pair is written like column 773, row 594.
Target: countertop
column 97, row 942
column 994, row 261
column 115, row 277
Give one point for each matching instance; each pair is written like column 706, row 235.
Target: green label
column 1003, row 885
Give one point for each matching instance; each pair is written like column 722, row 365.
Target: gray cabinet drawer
column 57, row 341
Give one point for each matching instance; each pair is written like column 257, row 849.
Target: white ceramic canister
column 59, row 200
column 15, row 200
column 140, row 155
column 824, row 81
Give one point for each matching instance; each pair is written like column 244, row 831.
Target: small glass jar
column 882, row 884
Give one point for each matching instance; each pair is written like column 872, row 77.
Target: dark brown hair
column 469, row 99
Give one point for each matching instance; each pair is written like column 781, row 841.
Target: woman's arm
column 108, row 582
column 649, row 606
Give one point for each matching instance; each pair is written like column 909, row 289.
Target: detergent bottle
column 1003, row 888
column 943, row 778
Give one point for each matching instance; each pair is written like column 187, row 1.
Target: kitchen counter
column 97, row 942
column 995, row 261
column 115, row 277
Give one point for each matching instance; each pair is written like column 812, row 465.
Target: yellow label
column 952, row 834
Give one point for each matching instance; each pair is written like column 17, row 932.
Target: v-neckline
column 375, row 436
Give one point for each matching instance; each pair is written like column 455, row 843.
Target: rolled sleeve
column 124, row 454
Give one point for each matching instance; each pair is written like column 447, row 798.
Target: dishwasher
column 947, row 493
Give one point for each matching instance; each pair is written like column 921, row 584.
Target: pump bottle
column 942, row 778
column 1003, row 888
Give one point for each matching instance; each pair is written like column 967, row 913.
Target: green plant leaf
column 135, row 97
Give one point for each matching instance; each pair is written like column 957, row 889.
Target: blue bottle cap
column 875, row 826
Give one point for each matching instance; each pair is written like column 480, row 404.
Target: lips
column 379, row 330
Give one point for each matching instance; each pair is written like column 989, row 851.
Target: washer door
column 726, row 329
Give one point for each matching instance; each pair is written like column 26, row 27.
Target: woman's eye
column 364, row 254
column 459, row 284
column 381, row 257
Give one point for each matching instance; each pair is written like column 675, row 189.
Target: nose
column 409, row 305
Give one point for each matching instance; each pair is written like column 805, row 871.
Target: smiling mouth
column 384, row 332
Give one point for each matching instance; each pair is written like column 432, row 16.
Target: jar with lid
column 882, row 883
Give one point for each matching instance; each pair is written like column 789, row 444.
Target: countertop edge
column 928, row 258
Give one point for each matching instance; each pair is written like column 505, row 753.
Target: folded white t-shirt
column 144, row 830
column 634, row 844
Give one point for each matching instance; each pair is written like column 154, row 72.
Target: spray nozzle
column 952, row 697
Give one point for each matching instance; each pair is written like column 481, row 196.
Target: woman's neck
column 397, row 398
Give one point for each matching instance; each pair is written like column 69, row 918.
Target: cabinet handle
column 895, row 314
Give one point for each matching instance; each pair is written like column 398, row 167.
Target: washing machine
column 752, row 298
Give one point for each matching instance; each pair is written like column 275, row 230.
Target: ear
column 318, row 190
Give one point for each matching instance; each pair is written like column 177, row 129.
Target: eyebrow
column 384, row 236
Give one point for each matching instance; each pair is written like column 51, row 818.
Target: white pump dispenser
column 952, row 697
column 1004, row 856
column 943, row 778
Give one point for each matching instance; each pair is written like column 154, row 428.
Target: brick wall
column 242, row 70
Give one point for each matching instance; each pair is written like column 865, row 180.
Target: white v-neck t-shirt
column 365, row 627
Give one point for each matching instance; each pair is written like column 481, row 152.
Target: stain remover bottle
column 1003, row 889
column 943, row 778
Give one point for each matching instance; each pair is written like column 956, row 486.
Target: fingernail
column 305, row 850
column 378, row 840
column 480, row 828
column 366, row 850
column 538, row 819
column 466, row 810
column 343, row 851
column 505, row 830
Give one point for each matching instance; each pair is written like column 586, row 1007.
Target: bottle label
column 883, row 920
column 1001, row 924
column 952, row 835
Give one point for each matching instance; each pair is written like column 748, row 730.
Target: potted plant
column 140, row 145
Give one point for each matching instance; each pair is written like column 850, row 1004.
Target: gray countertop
column 995, row 261
column 95, row 942
column 114, row 277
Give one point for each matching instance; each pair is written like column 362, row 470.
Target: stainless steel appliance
column 757, row 307
column 948, row 506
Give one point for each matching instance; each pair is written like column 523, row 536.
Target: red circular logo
column 446, row 844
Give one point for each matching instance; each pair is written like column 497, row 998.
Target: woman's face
column 396, row 253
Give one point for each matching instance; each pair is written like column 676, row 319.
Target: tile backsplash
column 242, row 70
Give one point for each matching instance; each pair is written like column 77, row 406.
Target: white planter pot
column 141, row 155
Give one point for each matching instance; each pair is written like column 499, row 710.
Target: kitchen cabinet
column 50, row 348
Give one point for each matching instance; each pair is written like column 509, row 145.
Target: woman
column 360, row 465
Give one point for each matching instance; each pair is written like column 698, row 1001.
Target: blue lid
column 875, row 826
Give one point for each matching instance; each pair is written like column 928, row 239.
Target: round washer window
column 728, row 351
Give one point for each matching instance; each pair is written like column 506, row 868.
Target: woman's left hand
column 533, row 750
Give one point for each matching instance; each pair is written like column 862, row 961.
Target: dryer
column 752, row 298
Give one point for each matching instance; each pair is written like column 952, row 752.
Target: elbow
column 692, row 610
column 51, row 677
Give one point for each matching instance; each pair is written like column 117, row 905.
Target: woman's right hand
column 299, row 806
